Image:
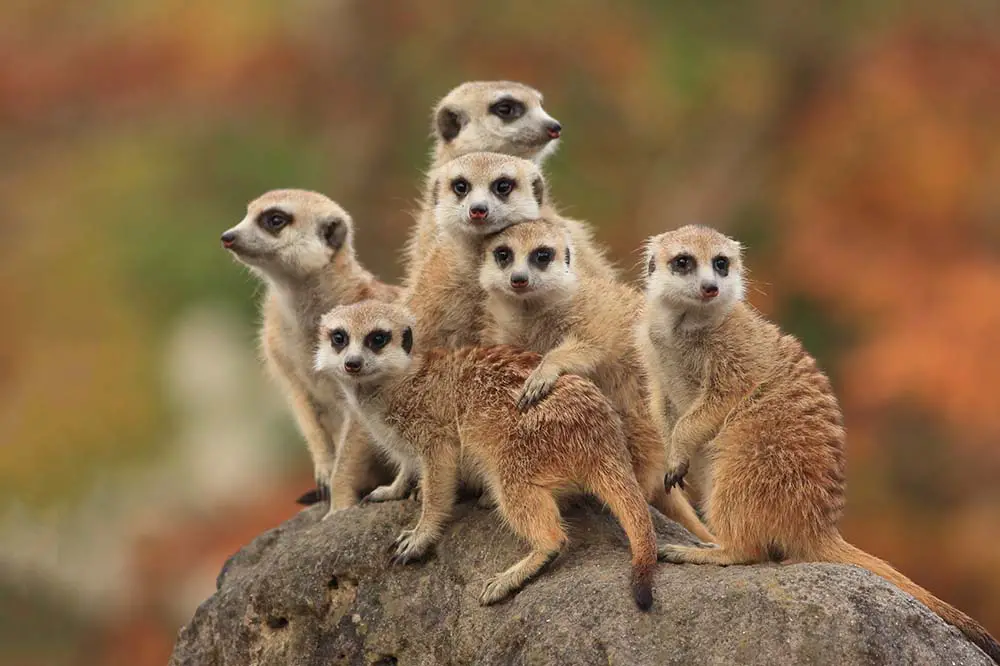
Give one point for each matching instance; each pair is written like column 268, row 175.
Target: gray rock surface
column 314, row 592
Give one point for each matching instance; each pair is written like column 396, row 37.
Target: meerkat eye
column 507, row 109
column 652, row 265
column 378, row 339
column 682, row 263
column 542, row 256
column 503, row 256
column 721, row 265
column 339, row 338
column 503, row 186
column 274, row 220
column 460, row 186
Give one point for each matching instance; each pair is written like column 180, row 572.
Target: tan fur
column 582, row 324
column 755, row 408
column 306, row 274
column 454, row 409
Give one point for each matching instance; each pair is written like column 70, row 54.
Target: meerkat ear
column 538, row 189
column 567, row 255
column 449, row 123
column 434, row 192
column 334, row 232
column 407, row 339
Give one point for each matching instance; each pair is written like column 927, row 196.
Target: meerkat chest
column 682, row 376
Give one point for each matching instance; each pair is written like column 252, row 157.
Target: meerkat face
column 365, row 343
column 495, row 116
column 482, row 193
column 528, row 261
column 290, row 233
column 694, row 267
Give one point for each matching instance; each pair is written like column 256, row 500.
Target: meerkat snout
column 554, row 129
column 479, row 211
column 709, row 290
column 520, row 281
column 228, row 238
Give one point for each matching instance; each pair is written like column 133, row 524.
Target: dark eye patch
column 339, row 338
column 378, row 339
column 721, row 265
column 508, row 109
column 683, row 264
column 542, row 256
column 651, row 267
column 274, row 220
column 461, row 187
column 502, row 187
column 503, row 255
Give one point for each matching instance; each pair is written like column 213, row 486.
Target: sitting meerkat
column 763, row 418
column 456, row 408
column 302, row 245
column 582, row 325
column 482, row 116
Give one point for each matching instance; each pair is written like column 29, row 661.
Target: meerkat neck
column 307, row 299
column 685, row 321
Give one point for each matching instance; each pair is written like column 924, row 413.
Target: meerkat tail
column 621, row 492
column 310, row 497
column 839, row 551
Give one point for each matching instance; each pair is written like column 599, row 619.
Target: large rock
column 321, row 592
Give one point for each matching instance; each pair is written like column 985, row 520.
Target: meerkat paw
column 333, row 510
column 671, row 553
column 386, row 494
column 497, row 588
column 486, row 502
column 409, row 546
column 538, row 385
column 675, row 475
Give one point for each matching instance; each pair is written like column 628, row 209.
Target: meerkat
column 754, row 406
column 581, row 324
column 454, row 409
column 302, row 245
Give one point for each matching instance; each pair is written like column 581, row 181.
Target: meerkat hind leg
column 676, row 507
column 721, row 556
column 533, row 513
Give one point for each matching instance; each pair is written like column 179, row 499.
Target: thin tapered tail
column 839, row 551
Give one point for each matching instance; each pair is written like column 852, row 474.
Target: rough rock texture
column 320, row 592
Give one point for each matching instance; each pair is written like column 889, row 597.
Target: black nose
column 519, row 280
column 709, row 289
column 228, row 238
column 479, row 211
column 554, row 129
column 353, row 365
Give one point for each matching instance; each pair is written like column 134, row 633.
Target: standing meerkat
column 302, row 245
column 752, row 404
column 582, row 325
column 482, row 116
column 456, row 408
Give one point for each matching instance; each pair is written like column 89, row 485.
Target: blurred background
column 855, row 150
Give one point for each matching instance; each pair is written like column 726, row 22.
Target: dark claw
column 676, row 478
column 310, row 497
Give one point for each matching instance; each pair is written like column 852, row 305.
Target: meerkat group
column 514, row 360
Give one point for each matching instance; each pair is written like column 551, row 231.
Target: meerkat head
column 291, row 234
column 365, row 342
column 482, row 193
column 529, row 261
column 495, row 116
column 694, row 267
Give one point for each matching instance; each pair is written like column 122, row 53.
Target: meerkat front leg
column 401, row 487
column 695, row 428
column 571, row 357
column 438, row 483
column 308, row 415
